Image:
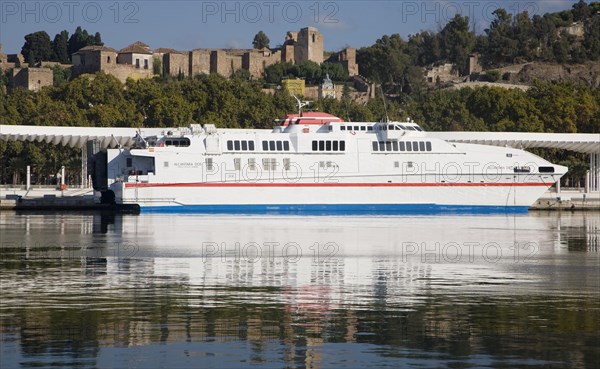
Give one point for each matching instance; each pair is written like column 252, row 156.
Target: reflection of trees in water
column 301, row 319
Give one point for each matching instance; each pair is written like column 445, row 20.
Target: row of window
column 383, row 146
column 276, row 145
column 390, row 127
column 329, row 145
column 241, row 145
column 180, row 142
column 356, row 128
column 237, row 145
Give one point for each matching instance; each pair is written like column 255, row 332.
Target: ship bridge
column 78, row 137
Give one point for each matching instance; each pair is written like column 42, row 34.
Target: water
column 189, row 291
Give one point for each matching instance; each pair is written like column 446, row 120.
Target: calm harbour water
column 191, row 291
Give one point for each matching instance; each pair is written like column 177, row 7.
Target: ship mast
column 301, row 104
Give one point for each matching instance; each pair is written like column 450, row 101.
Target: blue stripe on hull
column 356, row 209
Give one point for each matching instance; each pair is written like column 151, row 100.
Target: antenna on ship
column 387, row 118
column 301, row 104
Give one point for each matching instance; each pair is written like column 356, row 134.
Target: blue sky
column 185, row 25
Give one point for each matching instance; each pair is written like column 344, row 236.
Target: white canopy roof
column 113, row 137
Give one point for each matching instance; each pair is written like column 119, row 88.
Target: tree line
column 101, row 100
column 509, row 39
column 38, row 46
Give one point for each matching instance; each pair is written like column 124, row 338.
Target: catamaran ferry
column 317, row 163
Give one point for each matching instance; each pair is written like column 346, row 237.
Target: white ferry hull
column 341, row 197
column 354, row 168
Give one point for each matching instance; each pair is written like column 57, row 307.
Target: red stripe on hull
column 245, row 184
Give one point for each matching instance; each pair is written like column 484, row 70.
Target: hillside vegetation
column 102, row 101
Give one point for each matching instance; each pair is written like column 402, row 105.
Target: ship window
column 422, row 146
column 236, row 163
column 315, row 145
column 388, row 146
column 251, row 164
column 402, row 148
column 408, row 146
column 169, row 143
column 251, row 145
column 396, row 164
column 270, row 164
column 328, row 145
column 363, row 128
column 335, row 146
column 244, row 145
column 279, row 146
column 415, row 146
column 375, row 146
column 265, row 146
column 236, row 145
column 381, row 146
column 129, row 162
column 209, row 164
column 356, row 128
column 342, row 145
column 229, row 145
column 286, row 145
column 321, row 145
column 342, row 128
column 286, row 164
column 546, row 169
column 410, row 164
column 369, row 128
column 428, row 144
column 395, row 145
column 392, row 128
column 166, row 164
column 272, row 145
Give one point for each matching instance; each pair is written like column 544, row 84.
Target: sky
column 189, row 24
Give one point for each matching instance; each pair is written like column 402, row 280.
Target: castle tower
column 309, row 46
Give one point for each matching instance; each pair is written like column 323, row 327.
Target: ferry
column 316, row 163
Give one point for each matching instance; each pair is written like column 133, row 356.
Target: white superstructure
column 317, row 163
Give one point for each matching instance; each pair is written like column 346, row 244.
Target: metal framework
column 588, row 143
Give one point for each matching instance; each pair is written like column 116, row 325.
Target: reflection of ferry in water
column 315, row 162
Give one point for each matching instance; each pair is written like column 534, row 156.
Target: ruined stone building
column 346, row 57
column 32, row 78
column 134, row 61
column 137, row 60
column 297, row 47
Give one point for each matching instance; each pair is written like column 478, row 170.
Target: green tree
column 260, row 40
column 81, row 38
column 335, row 70
column 385, row 62
column 591, row 40
column 60, row 47
column 37, row 47
column 581, row 11
column 274, row 73
column 157, row 68
column 457, row 42
column 523, row 32
column 169, row 111
column 60, row 75
column 501, row 47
